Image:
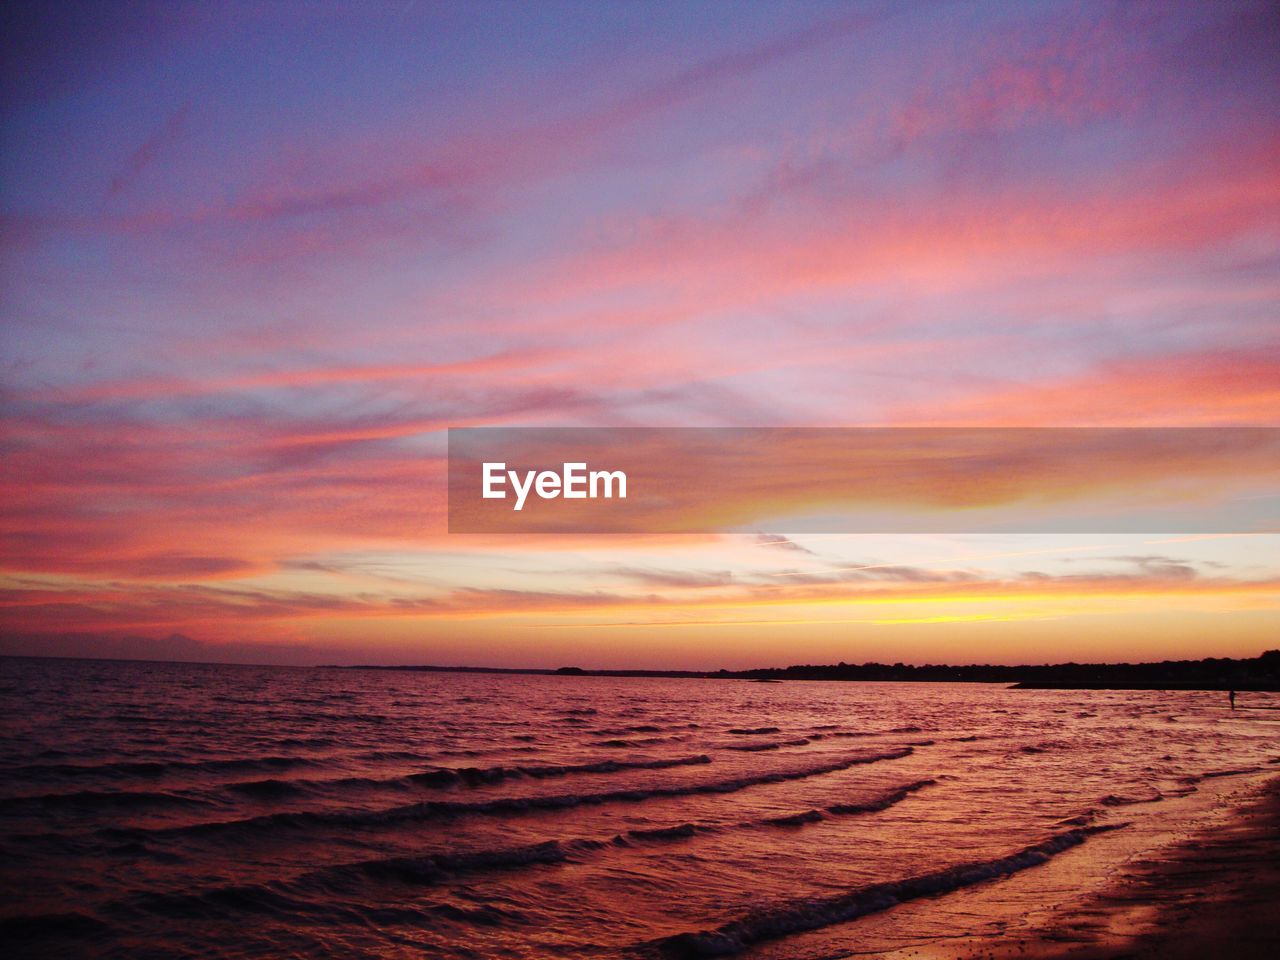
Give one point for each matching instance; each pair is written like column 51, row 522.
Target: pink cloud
column 1196, row 389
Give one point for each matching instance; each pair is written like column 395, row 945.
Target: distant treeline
column 1212, row 673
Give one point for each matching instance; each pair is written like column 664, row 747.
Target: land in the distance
column 1211, row 673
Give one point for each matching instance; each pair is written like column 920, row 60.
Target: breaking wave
column 435, row 809
column 799, row 916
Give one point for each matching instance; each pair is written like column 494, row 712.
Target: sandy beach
column 1214, row 893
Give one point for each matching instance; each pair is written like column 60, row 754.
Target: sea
column 194, row 810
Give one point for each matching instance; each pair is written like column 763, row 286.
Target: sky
column 256, row 259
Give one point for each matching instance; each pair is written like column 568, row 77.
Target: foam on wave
column 437, row 809
column 798, row 916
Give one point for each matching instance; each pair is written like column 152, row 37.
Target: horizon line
column 573, row 670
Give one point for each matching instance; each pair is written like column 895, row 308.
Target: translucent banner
column 864, row 480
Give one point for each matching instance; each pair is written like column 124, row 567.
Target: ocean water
column 169, row 810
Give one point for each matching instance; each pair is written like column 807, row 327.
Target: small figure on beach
column 1232, row 697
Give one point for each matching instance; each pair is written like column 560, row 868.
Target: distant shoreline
column 1255, row 674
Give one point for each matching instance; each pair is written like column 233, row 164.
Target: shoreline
column 1213, row 892
column 1260, row 674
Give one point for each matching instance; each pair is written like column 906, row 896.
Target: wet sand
column 1214, row 894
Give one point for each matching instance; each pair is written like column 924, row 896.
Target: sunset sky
column 257, row 258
